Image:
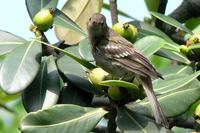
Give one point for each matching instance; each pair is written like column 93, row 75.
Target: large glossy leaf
column 85, row 50
column 176, row 69
column 44, row 91
column 79, row 11
column 130, row 122
column 20, row 67
column 62, row 119
column 147, row 29
column 149, row 45
column 170, row 21
column 173, row 103
column 68, row 65
column 9, row 41
column 34, row 6
column 63, row 21
column 72, row 94
column 173, row 82
column 72, row 55
column 173, row 55
column 74, row 71
column 83, row 84
column 119, row 83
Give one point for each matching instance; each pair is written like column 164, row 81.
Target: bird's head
column 97, row 26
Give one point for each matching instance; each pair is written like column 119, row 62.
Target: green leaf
column 172, row 103
column 83, row 84
column 46, row 86
column 60, row 19
column 9, row 41
column 129, row 122
column 171, row 21
column 34, row 6
column 66, row 119
column 120, row 12
column 69, row 66
column 173, row 82
column 147, row 29
column 149, row 45
column 85, row 50
column 152, row 5
column 20, row 67
column 193, row 24
column 74, row 73
column 173, row 55
column 160, row 62
column 119, row 83
column 72, row 94
column 83, row 62
column 79, row 11
column 176, row 69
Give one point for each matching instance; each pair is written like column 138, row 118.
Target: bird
column 117, row 56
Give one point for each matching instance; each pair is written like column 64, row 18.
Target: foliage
column 59, row 97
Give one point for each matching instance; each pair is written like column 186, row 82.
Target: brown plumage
column 117, row 56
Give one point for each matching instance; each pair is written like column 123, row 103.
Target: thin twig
column 6, row 108
column 113, row 10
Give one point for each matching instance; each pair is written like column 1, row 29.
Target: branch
column 111, row 122
column 188, row 9
column 161, row 9
column 113, row 10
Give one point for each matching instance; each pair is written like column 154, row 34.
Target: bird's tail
column 157, row 111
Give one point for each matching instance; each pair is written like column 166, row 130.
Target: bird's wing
column 122, row 52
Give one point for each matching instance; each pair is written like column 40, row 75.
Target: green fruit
column 183, row 49
column 197, row 113
column 43, row 20
column 97, row 75
column 195, row 38
column 126, row 30
column 115, row 94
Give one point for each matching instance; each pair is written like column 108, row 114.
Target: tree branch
column 161, row 9
column 188, row 9
column 113, row 10
column 111, row 122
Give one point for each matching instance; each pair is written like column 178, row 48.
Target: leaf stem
column 79, row 60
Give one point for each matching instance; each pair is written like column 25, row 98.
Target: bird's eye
column 101, row 23
column 89, row 19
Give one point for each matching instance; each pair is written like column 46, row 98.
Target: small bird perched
column 118, row 57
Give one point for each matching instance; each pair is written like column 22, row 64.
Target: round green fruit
column 183, row 49
column 43, row 20
column 197, row 113
column 195, row 38
column 126, row 30
column 115, row 94
column 97, row 75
